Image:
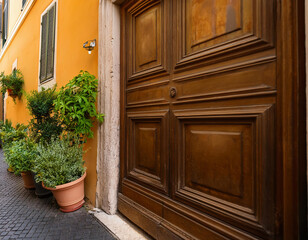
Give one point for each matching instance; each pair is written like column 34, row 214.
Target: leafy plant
column 12, row 83
column 75, row 104
column 5, row 127
column 44, row 125
column 59, row 162
column 20, row 155
column 10, row 134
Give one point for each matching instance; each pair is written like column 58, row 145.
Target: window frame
column 48, row 82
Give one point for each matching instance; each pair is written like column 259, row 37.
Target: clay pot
column 28, row 180
column 10, row 93
column 39, row 190
column 69, row 196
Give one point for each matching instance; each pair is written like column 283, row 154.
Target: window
column 23, row 3
column 5, row 22
column 48, row 23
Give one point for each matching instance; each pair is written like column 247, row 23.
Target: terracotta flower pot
column 28, row 180
column 69, row 196
column 11, row 94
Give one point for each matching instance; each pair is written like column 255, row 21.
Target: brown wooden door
column 199, row 150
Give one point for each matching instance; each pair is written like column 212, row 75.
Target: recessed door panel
column 214, row 157
column 208, row 20
column 219, row 165
column 145, row 39
column 147, row 160
column 215, row 29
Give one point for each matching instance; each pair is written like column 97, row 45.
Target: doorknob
column 172, row 92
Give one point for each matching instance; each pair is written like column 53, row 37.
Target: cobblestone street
column 25, row 216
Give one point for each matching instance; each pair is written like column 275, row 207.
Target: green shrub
column 5, row 127
column 10, row 134
column 9, row 137
column 20, row 155
column 44, row 124
column 76, row 104
column 59, row 161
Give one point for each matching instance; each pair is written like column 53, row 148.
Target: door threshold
column 120, row 226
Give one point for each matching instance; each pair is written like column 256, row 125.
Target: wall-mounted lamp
column 89, row 45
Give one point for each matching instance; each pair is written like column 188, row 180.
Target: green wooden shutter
column 51, row 42
column 43, row 59
column 1, row 27
column 48, row 44
column 5, row 21
column 23, row 3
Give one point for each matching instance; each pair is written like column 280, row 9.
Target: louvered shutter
column 1, row 18
column 23, row 2
column 51, row 42
column 5, row 22
column 48, row 44
column 43, row 48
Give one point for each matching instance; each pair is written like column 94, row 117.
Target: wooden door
column 201, row 118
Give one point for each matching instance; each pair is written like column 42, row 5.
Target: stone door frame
column 108, row 148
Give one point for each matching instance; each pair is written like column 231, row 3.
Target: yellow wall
column 77, row 23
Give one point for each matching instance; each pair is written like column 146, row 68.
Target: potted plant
column 75, row 105
column 8, row 135
column 20, row 156
column 5, row 127
column 12, row 83
column 44, row 123
column 59, row 165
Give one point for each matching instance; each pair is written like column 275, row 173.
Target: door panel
column 214, row 30
column 224, row 163
column 148, row 153
column 146, row 39
column 200, row 147
column 225, row 83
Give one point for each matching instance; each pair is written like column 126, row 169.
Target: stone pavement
column 25, row 216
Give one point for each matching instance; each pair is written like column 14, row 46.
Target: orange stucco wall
column 77, row 23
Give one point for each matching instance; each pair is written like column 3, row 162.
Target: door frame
column 291, row 105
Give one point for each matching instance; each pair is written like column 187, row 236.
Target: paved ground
column 25, row 216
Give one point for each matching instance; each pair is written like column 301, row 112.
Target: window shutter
column 51, row 42
column 43, row 48
column 0, row 17
column 5, row 22
column 23, row 3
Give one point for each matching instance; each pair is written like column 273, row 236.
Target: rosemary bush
column 59, row 161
